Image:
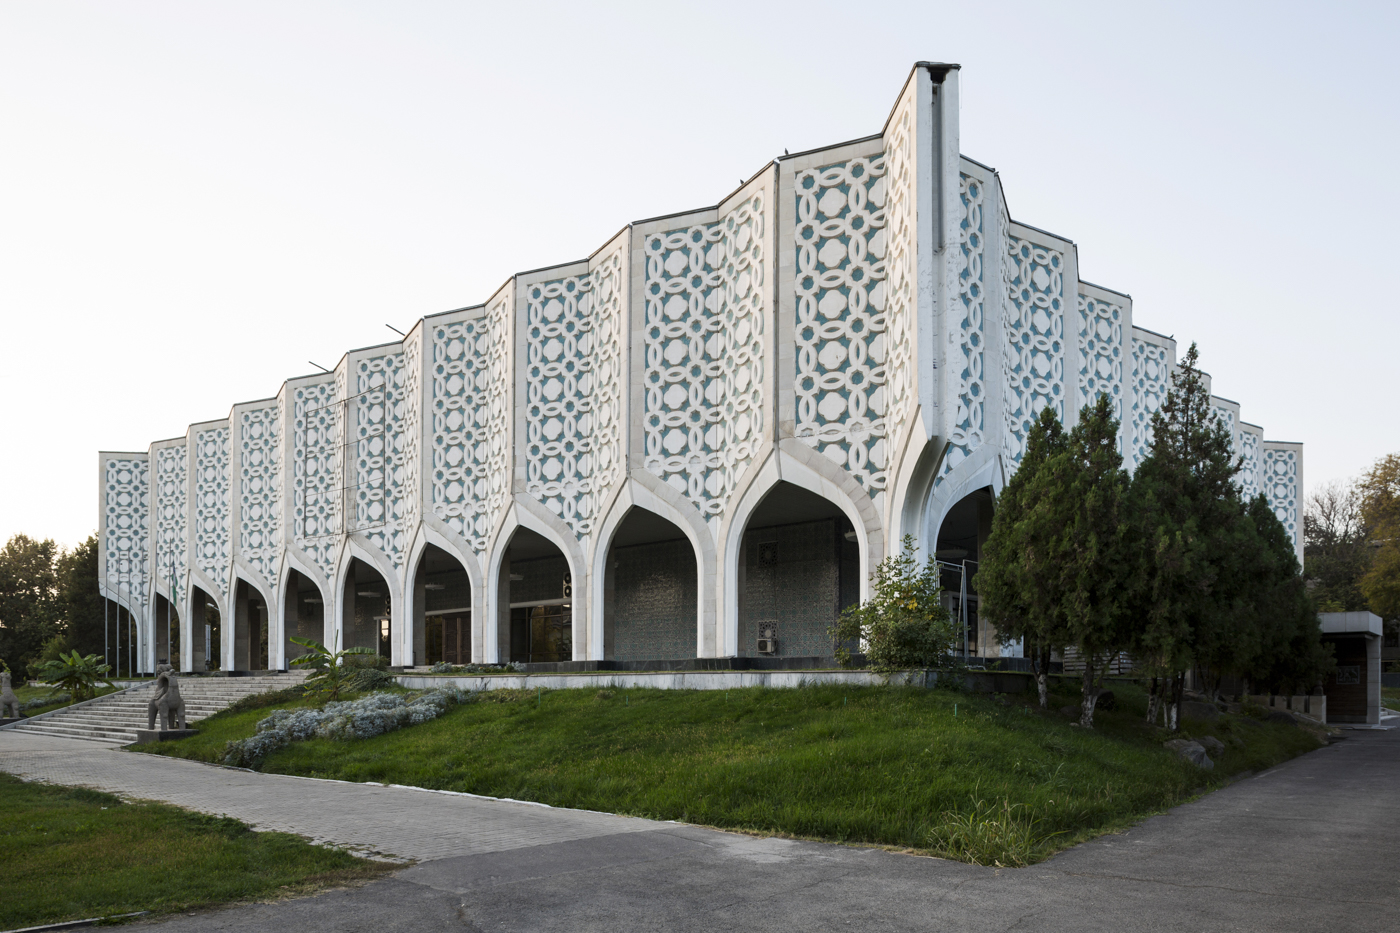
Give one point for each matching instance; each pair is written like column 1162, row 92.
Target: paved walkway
column 397, row 822
column 1313, row 845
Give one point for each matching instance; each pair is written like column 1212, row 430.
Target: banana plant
column 328, row 669
column 77, row 674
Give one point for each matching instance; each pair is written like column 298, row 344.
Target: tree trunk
column 1154, row 700
column 1091, row 693
column 1174, row 712
column 1041, row 658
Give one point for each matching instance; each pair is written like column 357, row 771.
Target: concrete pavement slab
column 1308, row 846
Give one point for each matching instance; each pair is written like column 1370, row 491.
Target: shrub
column 354, row 719
column 76, row 674
column 370, row 678
column 368, row 661
column 904, row 623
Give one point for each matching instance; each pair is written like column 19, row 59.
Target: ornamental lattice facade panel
column 260, row 489
column 706, row 309
column 695, row 365
column 1283, row 487
column 968, row 361
column 1100, row 352
column 1152, row 369
column 1033, row 368
column 316, row 472
column 840, row 316
column 573, row 341
column 1251, row 456
column 500, row 339
column 901, row 268
column 213, row 543
column 126, row 524
column 461, row 450
column 171, row 482
column 382, row 413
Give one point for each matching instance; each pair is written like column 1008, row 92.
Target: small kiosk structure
column 1354, row 690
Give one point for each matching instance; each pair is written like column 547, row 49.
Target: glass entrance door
column 541, row 633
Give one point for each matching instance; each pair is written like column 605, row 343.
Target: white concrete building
column 695, row 443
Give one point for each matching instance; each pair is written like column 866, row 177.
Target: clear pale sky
column 198, row 198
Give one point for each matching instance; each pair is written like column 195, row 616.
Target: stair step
column 114, row 720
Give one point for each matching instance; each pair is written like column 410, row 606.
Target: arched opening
column 442, row 610
column 961, row 537
column 366, row 607
column 120, row 640
column 535, row 625
column 204, row 631
column 799, row 567
column 649, row 591
column 303, row 614
column 250, row 623
column 167, row 632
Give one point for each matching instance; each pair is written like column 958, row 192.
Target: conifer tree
column 1016, row 578
column 1090, row 549
column 1183, row 503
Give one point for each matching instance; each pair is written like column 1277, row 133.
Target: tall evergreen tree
column 1182, row 504
column 1090, row 550
column 1017, row 576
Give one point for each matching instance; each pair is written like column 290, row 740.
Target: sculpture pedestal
column 6, row 721
column 146, row 736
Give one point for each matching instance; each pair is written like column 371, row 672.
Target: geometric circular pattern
column 840, row 322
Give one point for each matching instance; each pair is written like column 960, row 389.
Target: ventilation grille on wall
column 768, row 554
column 768, row 638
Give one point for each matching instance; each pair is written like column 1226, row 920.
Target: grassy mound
column 984, row 779
column 72, row 854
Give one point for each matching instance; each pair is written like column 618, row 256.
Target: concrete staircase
column 114, row 719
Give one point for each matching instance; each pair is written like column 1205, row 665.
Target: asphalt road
column 1313, row 845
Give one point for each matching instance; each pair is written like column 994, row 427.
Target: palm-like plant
column 77, row 674
column 328, row 669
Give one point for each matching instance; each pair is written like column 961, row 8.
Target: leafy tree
column 1182, row 501
column 1336, row 552
column 77, row 602
column 1015, row 581
column 1090, row 554
column 1381, row 512
column 77, row 674
column 329, row 670
column 904, row 623
column 27, row 591
column 54, row 649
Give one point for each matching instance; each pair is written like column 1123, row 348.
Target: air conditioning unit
column 768, row 646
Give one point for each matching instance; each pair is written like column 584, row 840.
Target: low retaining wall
column 1390, row 680
column 1314, row 707
column 974, row 681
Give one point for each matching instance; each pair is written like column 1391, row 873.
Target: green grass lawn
column 970, row 776
column 29, row 693
column 70, row 854
column 1390, row 697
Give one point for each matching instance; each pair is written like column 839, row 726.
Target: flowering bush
column 354, row 719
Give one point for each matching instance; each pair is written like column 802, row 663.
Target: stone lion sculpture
column 167, row 704
column 9, row 703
